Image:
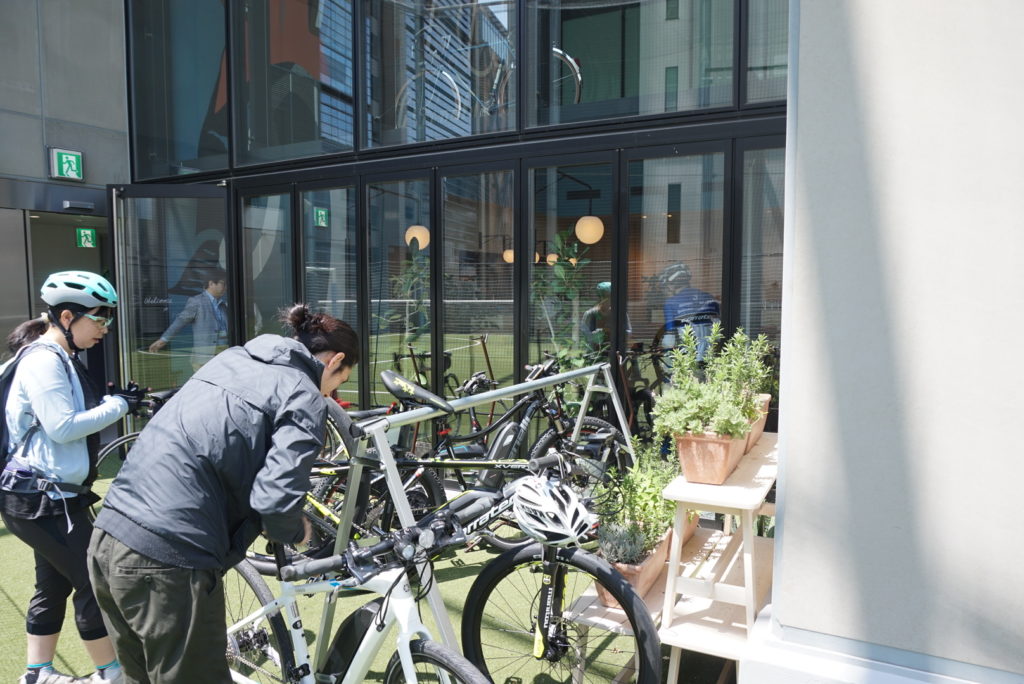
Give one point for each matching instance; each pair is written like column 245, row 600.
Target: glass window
column 768, row 50
column 267, row 255
column 400, row 249
column 174, row 276
column 292, row 61
column 761, row 272
column 178, row 87
column 330, row 257
column 439, row 70
column 610, row 59
column 675, row 248
column 570, row 279
column 477, row 287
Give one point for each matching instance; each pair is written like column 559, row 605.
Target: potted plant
column 634, row 534
column 712, row 405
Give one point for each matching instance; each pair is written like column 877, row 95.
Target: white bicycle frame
column 377, row 428
column 399, row 609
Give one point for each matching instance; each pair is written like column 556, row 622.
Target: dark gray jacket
column 230, row 454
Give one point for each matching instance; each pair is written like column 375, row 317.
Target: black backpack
column 6, row 381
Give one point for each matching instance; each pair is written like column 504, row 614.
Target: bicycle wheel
column 432, row 660
column 374, row 513
column 498, row 631
column 619, row 458
column 423, row 488
column 259, row 650
column 111, row 457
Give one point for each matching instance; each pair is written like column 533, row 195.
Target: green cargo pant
column 167, row 623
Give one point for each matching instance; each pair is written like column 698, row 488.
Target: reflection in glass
column 768, row 47
column 477, row 287
column 178, row 87
column 267, row 261
column 175, row 246
column 761, row 272
column 329, row 239
column 439, row 70
column 610, row 59
column 293, row 66
column 675, row 248
column 570, row 279
column 400, row 248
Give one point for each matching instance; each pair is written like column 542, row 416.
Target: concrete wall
column 62, row 84
column 900, row 532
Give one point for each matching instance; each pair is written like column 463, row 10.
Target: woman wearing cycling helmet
column 53, row 415
column 227, row 457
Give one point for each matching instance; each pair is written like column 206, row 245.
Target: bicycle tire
column 589, row 425
column 372, row 516
column 112, row 456
column 429, row 657
column 504, row 533
column 498, row 634
column 261, row 651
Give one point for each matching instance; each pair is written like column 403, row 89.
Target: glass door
column 171, row 249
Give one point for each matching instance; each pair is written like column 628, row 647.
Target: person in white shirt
column 53, row 414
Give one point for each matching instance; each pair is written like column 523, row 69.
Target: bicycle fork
column 549, row 638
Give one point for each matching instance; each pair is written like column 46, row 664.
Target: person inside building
column 207, row 313
column 687, row 306
column 596, row 324
column 54, row 413
column 227, row 457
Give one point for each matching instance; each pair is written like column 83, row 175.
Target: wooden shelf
column 745, row 489
column 720, row 581
column 710, row 616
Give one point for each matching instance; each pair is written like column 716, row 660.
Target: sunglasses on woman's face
column 101, row 321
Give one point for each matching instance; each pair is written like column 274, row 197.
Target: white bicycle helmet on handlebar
column 550, row 512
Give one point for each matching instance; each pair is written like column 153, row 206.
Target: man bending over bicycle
column 228, row 456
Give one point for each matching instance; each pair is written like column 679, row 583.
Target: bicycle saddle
column 410, row 393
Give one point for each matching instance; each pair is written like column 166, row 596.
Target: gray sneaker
column 50, row 677
column 97, row 678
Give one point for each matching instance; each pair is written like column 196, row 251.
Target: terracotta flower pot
column 641, row 576
column 757, row 427
column 709, row 458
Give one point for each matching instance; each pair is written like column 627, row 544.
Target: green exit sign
column 85, row 237
column 321, row 217
column 66, row 165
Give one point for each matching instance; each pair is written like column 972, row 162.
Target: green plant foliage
column 622, row 543
column 642, row 511
column 718, row 394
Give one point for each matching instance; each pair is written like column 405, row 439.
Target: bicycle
column 265, row 637
column 550, row 640
column 460, row 453
column 554, row 634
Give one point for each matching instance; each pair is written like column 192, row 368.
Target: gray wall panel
column 901, row 364
column 19, row 57
column 21, row 146
column 83, row 62
column 14, row 305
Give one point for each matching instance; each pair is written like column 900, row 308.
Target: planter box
column 641, row 576
column 757, row 427
column 709, row 458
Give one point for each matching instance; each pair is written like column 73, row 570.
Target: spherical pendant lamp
column 589, row 229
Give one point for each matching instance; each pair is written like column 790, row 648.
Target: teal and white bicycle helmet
column 550, row 512
column 78, row 287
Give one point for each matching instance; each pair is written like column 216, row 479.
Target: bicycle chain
column 238, row 658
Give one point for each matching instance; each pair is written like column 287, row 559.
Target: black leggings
column 61, row 568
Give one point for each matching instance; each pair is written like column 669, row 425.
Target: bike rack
column 376, row 429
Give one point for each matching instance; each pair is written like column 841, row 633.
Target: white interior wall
column 902, row 365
